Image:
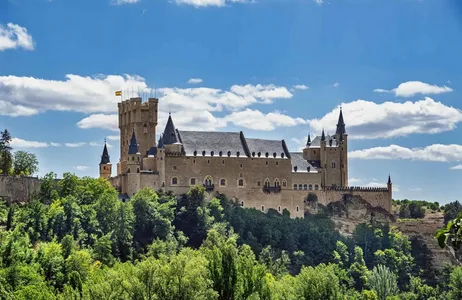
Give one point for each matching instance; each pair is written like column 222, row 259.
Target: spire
column 160, row 143
column 389, row 179
column 308, row 142
column 105, row 156
column 323, row 136
column 133, row 147
column 340, row 124
column 170, row 135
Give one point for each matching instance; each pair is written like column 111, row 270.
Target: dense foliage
column 17, row 163
column 415, row 209
column 76, row 240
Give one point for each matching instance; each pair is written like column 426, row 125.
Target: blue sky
column 272, row 68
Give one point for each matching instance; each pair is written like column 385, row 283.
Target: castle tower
column 141, row 118
column 133, row 156
column 170, row 138
column 161, row 162
column 323, row 161
column 342, row 138
column 390, row 193
column 105, row 166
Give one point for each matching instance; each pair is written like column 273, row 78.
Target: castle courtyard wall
column 18, row 188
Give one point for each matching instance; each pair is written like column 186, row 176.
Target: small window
column 279, row 208
column 300, row 187
column 238, row 153
column 259, row 154
column 240, row 166
column 223, row 182
column 284, row 183
column 174, row 168
column 258, row 183
column 128, row 171
column 229, row 153
column 274, row 154
column 295, row 186
column 203, row 153
column 295, row 169
column 253, row 154
column 314, row 151
column 267, row 182
column 194, row 161
column 192, row 181
column 297, row 208
column 305, row 186
column 242, row 203
column 266, row 154
column 195, row 153
column 137, row 170
column 223, row 162
column 276, row 182
column 277, row 163
column 133, row 158
column 212, row 153
column 316, row 187
column 310, row 187
column 241, row 182
column 220, row 153
column 282, row 155
column 266, row 162
column 174, row 181
column 104, row 167
column 208, row 181
column 262, row 208
column 208, row 161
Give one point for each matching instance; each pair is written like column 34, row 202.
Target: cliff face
column 18, row 188
column 356, row 208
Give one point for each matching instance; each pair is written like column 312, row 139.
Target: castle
column 257, row 173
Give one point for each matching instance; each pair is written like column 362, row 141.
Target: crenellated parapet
column 355, row 189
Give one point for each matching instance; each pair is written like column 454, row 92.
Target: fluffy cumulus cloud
column 113, row 137
column 100, row 121
column 13, row 36
column 122, row 2
column 205, row 3
column 18, row 143
column 301, row 87
column 195, row 81
column 256, row 120
column 412, row 88
column 457, row 167
column 369, row 120
column 436, row 152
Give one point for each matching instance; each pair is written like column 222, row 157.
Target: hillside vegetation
column 76, row 240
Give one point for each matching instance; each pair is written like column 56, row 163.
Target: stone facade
column 256, row 173
column 18, row 188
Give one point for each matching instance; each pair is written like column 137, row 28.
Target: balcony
column 209, row 187
column 271, row 189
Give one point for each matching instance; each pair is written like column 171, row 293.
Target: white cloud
column 336, row 85
column 412, row 88
column 81, row 168
column 204, row 3
column 354, row 180
column 195, row 81
column 319, row 1
column 99, row 121
column 14, row 36
column 301, row 87
column 8, row 109
column 436, row 152
column 121, row 2
column 113, row 137
column 369, row 120
column 458, row 167
column 74, row 145
column 23, row 144
column 256, row 120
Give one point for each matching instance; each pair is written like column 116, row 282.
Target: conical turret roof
column 105, row 156
column 170, row 134
column 133, row 147
column 340, row 124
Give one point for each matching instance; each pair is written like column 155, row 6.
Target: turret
column 134, row 156
column 308, row 142
column 171, row 139
column 105, row 166
column 340, row 125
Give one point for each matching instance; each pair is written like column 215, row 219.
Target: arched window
column 310, row 187
column 266, row 162
column 220, row 153
column 195, row 153
column 208, row 161
column 137, row 170
column 262, row 208
column 266, row 154
column 104, row 167
column 316, row 187
column 259, row 154
column 192, row 181
column 212, row 153
column 203, row 153
column 222, row 182
column 297, row 209
column 295, row 169
column 284, row 183
column 242, row 203
column 276, row 182
column 253, row 154
column 333, row 165
column 238, row 153
column 267, row 182
column 174, row 181
column 229, row 153
column 295, row 186
column 282, row 155
column 305, row 186
column 222, row 161
column 274, row 154
column 240, row 166
column 208, row 180
column 300, row 186
column 279, row 208
column 240, row 182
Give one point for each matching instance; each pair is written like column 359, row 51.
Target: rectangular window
column 258, row 183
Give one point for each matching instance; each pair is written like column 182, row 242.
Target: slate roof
column 105, row 157
column 302, row 165
column 133, row 147
column 267, row 146
column 170, row 133
column 341, row 124
column 152, row 151
column 209, row 141
column 316, row 142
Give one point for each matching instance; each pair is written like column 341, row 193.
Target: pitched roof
column 302, row 164
column 170, row 133
column 209, row 141
column 105, row 156
column 160, row 143
column 152, row 151
column 340, row 124
column 316, row 142
column 133, row 147
column 274, row 148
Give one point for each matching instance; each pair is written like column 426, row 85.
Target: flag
column 118, row 93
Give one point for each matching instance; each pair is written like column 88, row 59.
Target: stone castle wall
column 18, row 188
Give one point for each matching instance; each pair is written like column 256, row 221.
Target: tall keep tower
column 342, row 138
column 138, row 118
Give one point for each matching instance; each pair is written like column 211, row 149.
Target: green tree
column 319, row 282
column 48, row 188
column 122, row 236
column 25, row 163
column 455, row 284
column 358, row 270
column 383, row 282
column 6, row 157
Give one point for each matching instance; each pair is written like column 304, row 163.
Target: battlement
column 355, row 189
